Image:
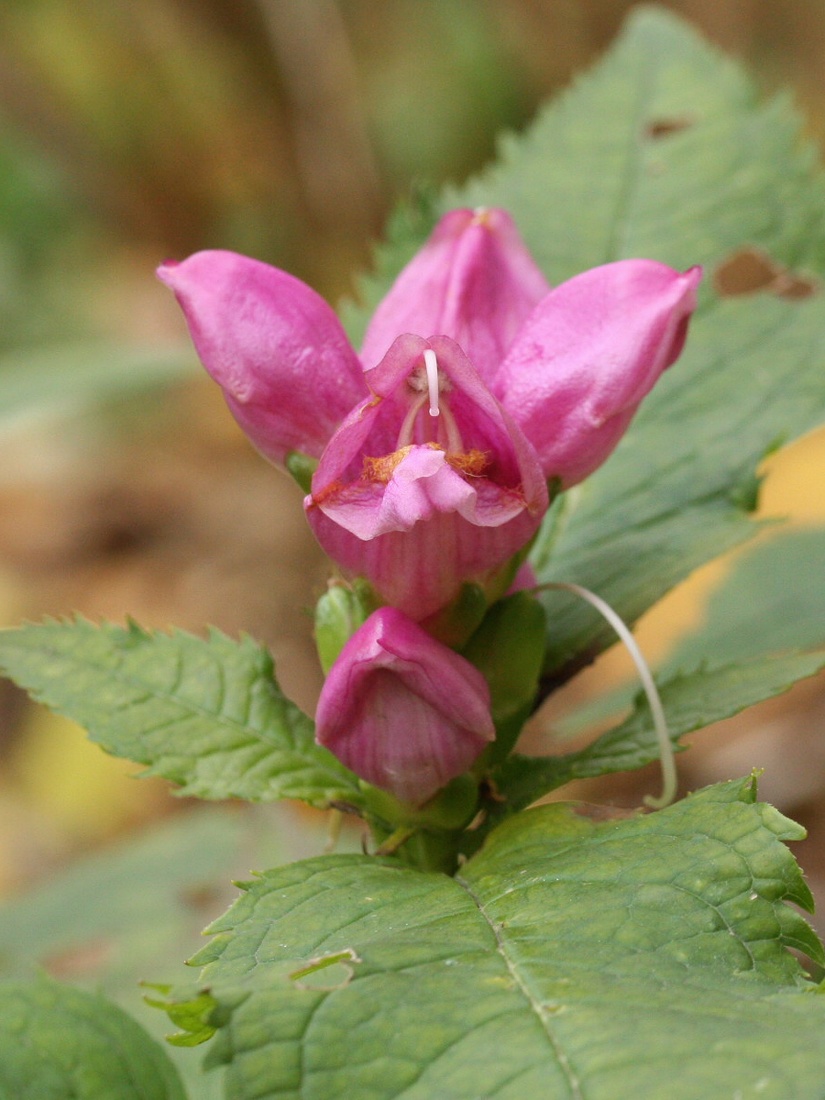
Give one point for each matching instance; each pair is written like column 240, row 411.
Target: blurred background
column 286, row 129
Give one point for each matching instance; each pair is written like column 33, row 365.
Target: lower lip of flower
column 471, row 463
column 419, row 504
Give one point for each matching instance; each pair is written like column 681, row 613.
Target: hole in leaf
column 595, row 812
column 81, row 960
column 326, row 973
column 663, row 127
column 204, row 897
column 751, row 270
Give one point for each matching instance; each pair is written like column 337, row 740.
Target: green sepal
column 366, row 594
column 302, row 467
column 338, row 614
column 427, row 837
column 451, row 808
column 508, row 648
column 454, row 623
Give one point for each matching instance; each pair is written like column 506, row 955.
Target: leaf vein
column 567, row 1069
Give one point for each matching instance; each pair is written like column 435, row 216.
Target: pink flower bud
column 473, row 281
column 276, row 349
column 402, row 710
column 589, row 353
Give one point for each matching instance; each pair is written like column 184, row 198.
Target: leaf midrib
column 151, row 691
column 188, row 710
column 619, row 229
column 535, row 1003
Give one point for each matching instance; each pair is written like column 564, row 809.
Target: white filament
column 666, row 754
column 405, row 435
column 431, row 367
column 455, row 444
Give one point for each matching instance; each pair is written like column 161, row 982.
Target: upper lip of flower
column 474, row 280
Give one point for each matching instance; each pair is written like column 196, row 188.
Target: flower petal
column 402, row 710
column 591, row 350
column 422, row 570
column 422, row 485
column 274, row 346
column 473, row 281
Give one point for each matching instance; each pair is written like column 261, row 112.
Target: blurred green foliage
column 283, row 129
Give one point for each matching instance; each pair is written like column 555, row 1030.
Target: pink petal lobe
column 473, row 281
column 402, row 710
column 274, row 346
column 422, row 485
column 588, row 355
column 524, row 580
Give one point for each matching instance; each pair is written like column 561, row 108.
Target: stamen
column 455, row 444
column 431, row 367
column 666, row 755
column 405, row 435
column 427, row 383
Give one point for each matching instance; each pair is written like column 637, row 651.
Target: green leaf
column 664, row 150
column 410, row 223
column 205, row 713
column 508, row 649
column 151, row 897
column 39, row 380
column 58, row 1043
column 691, row 701
column 652, row 189
column 568, row 959
column 772, row 599
column 736, row 174
column 769, row 603
column 111, row 919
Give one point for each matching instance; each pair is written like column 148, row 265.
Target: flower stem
column 424, row 849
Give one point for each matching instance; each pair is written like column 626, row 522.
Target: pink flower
column 420, row 503
column 402, row 710
column 589, row 353
column 274, row 346
column 476, row 384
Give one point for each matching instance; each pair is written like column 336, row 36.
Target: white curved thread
column 431, row 367
column 666, row 755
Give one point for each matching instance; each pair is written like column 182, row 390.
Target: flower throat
column 429, row 387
